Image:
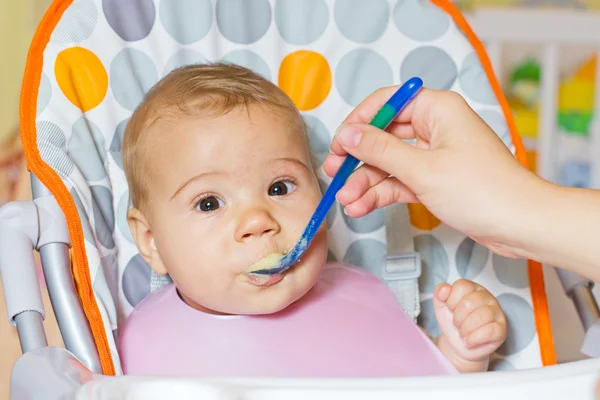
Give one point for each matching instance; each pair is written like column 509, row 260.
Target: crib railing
column 552, row 30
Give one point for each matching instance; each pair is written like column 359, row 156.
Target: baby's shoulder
column 151, row 310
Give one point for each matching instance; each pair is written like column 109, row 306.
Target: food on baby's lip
column 268, row 262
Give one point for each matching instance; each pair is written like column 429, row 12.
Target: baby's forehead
column 236, row 129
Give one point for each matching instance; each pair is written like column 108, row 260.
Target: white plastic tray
column 566, row 381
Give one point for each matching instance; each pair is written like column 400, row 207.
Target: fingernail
column 349, row 136
column 345, row 212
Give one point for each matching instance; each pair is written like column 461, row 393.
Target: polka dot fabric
column 327, row 55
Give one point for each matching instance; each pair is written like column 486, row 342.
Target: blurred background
column 550, row 84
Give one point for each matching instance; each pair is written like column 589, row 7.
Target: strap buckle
column 402, row 266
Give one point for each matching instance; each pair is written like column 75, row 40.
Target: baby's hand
column 472, row 324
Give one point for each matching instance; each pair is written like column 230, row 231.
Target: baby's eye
column 210, row 203
column 281, row 188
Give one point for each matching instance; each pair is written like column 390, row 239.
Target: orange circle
column 306, row 78
column 421, row 218
column 81, row 77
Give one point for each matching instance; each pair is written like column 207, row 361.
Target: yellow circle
column 81, row 77
column 306, row 78
column 421, row 218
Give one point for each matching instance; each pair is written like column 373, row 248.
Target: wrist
column 528, row 214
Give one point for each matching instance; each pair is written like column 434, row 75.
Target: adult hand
column 458, row 168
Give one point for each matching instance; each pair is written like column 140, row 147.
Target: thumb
column 381, row 150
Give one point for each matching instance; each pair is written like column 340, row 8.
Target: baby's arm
column 472, row 324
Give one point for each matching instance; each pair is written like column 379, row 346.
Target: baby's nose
column 256, row 223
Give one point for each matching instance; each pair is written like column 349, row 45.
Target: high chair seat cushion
column 348, row 325
column 92, row 61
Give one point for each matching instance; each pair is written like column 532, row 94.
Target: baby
column 220, row 176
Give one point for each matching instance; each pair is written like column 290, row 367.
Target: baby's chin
column 259, row 300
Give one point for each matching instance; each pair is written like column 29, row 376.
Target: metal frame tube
column 30, row 327
column 54, row 251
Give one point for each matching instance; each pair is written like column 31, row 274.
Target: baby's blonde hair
column 206, row 89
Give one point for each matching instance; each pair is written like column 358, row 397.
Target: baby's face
column 224, row 193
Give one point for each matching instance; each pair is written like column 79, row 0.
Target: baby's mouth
column 268, row 262
column 264, row 280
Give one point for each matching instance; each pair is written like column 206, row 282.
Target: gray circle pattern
column 511, row 272
column 434, row 262
column 432, row 64
column 111, row 274
column 44, row 94
column 104, row 218
column 301, row 22
column 474, row 81
column 182, row 58
column 420, row 20
column 77, row 23
column 86, row 149
column 187, row 21
column 122, row 208
column 117, row 141
column 250, row 60
column 319, row 138
column 359, row 73
column 367, row 224
column 132, row 74
column 105, row 286
column 136, row 280
column 471, row 258
column 119, row 13
column 520, row 322
column 52, row 145
column 427, row 318
column 83, row 217
column 368, row 254
column 243, row 21
column 496, row 121
column 500, row 364
column 361, row 21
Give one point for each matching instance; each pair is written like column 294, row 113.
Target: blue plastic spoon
column 382, row 119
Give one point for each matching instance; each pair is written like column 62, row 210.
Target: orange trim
column 542, row 316
column 28, row 106
column 536, row 273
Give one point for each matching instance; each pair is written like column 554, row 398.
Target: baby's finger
column 442, row 292
column 490, row 333
column 389, row 191
column 470, row 303
column 363, row 179
column 460, row 289
column 479, row 317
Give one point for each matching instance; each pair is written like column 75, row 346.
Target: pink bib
column 348, row 325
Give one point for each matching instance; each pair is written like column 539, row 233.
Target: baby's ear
column 144, row 240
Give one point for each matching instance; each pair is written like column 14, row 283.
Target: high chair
column 89, row 65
